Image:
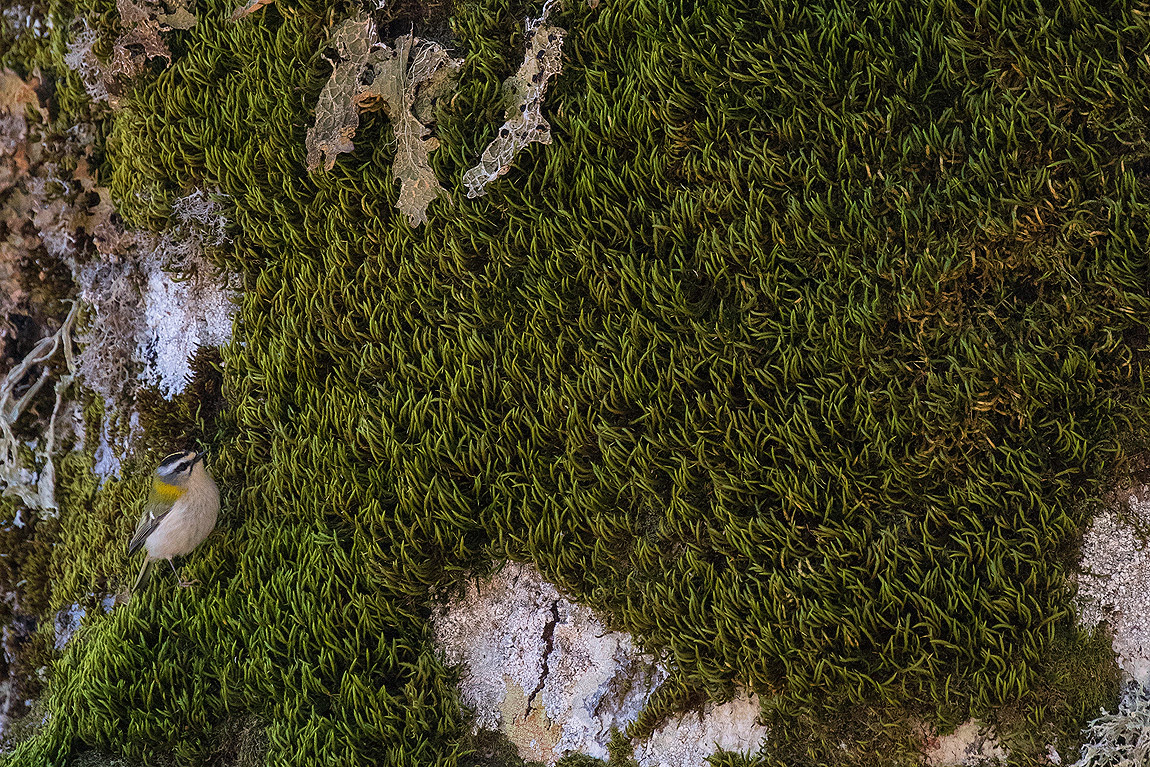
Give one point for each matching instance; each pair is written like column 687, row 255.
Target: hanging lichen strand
column 801, row 352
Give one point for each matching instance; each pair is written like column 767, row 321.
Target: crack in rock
column 513, row 632
column 549, row 643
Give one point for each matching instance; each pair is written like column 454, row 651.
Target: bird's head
column 177, row 468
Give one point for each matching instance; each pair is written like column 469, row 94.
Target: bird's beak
column 199, row 457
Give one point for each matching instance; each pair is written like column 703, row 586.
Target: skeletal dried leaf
column 248, row 8
column 524, row 121
column 15, row 93
column 141, row 24
column 399, row 75
column 180, row 18
column 434, row 90
column 337, row 113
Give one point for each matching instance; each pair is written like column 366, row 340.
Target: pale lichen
column 155, row 303
column 1121, row 739
column 1112, row 584
column 36, row 488
column 395, row 78
column 524, row 120
column 81, row 58
column 399, row 73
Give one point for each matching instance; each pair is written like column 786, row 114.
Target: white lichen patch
column 65, row 624
column 971, row 743
column 106, row 461
column 687, row 740
column 1114, row 584
column 156, row 306
column 546, row 672
column 67, row 621
column 1121, row 739
column 179, row 317
column 186, row 304
column 151, row 304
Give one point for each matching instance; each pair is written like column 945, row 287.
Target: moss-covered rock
column 803, row 353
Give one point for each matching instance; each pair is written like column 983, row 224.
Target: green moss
column 190, row 418
column 90, row 540
column 240, row 742
column 488, row 748
column 801, row 353
column 620, row 752
column 734, row 759
column 673, row 696
column 579, row 760
column 1080, row 679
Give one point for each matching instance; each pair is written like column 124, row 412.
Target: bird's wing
column 155, row 510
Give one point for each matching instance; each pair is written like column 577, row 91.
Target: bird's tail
column 142, row 578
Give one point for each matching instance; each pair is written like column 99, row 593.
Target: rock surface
column 970, row 744
column 548, row 674
column 1112, row 586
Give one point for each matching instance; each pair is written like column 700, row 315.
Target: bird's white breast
column 190, row 521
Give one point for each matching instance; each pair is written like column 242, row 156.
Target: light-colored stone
column 548, row 673
column 969, row 745
column 1114, row 583
column 687, row 740
column 541, row 668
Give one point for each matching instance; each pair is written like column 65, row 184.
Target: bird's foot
column 188, row 584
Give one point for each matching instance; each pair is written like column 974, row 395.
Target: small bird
column 180, row 512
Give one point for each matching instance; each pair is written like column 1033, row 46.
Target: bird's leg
column 182, row 583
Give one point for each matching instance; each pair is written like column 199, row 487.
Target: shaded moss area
column 803, row 353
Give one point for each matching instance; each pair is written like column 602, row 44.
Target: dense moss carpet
column 803, row 353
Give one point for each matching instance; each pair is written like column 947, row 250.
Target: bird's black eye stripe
column 177, row 463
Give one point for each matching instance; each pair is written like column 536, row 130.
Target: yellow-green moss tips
column 802, row 352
